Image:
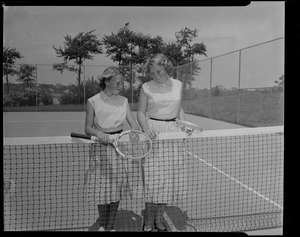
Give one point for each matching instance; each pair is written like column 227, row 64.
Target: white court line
column 237, row 181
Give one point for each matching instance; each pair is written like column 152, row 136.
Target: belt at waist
column 165, row 120
column 116, row 132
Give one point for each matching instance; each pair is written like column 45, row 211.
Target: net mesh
column 231, row 180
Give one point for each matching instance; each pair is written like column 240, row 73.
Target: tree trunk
column 7, row 86
column 79, row 82
column 79, row 75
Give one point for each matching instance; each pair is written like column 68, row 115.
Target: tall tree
column 117, row 45
column 156, row 45
column 79, row 48
column 128, row 48
column 9, row 58
column 184, row 38
column 27, row 74
column 174, row 53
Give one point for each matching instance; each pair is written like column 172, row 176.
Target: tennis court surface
column 234, row 181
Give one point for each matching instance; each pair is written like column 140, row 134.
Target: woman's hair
column 107, row 75
column 160, row 60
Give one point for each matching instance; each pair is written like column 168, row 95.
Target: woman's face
column 115, row 84
column 158, row 73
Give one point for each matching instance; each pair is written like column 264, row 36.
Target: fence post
column 239, row 86
column 210, row 84
column 131, row 85
column 36, row 89
column 191, row 80
column 84, row 88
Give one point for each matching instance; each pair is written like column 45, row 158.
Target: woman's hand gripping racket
column 188, row 127
column 131, row 144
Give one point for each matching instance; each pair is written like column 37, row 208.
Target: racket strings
column 133, row 145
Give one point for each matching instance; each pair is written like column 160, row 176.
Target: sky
column 33, row 30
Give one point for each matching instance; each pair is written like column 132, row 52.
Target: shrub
column 8, row 101
column 46, row 98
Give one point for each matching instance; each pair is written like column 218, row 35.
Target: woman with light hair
column 159, row 106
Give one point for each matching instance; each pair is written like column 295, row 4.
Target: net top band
column 161, row 136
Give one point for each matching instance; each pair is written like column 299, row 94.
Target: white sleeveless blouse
column 163, row 101
column 110, row 112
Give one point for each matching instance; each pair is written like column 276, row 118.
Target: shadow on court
column 128, row 221
column 174, row 219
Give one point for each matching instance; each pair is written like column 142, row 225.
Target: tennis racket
column 188, row 127
column 131, row 144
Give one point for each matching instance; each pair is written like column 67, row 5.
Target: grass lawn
column 255, row 109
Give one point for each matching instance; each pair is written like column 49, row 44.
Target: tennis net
column 231, row 180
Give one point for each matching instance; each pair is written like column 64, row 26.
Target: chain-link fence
column 243, row 87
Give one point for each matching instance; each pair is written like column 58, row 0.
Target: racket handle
column 84, row 136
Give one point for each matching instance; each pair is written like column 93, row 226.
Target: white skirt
column 165, row 172
column 110, row 178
